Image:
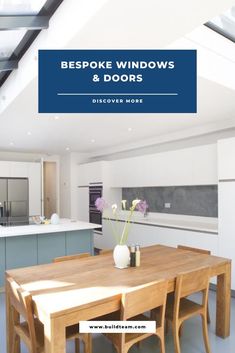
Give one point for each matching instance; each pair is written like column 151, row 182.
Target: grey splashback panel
column 198, row 200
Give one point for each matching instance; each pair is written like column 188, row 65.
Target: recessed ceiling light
column 29, row 133
column 11, row 143
column 92, row 140
column 56, row 117
column 67, row 149
column 129, row 129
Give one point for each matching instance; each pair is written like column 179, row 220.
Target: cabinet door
column 50, row 246
column 4, row 169
column 2, row 261
column 79, row 241
column 83, row 204
column 34, row 174
column 18, row 169
column 226, row 159
column 21, row 251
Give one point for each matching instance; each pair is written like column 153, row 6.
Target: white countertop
column 65, row 225
column 191, row 223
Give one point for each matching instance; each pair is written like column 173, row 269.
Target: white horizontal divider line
column 117, row 94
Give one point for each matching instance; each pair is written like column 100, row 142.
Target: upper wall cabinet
column 226, row 159
column 18, row 169
column 191, row 166
column 5, row 169
column 91, row 173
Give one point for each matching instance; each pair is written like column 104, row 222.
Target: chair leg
column 181, row 330
column 208, row 314
column 88, row 344
column 162, row 344
column 176, row 338
column 205, row 334
column 15, row 343
column 77, row 345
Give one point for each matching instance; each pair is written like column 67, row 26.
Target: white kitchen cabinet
column 90, row 173
column 83, row 203
column 4, row 169
column 227, row 223
column 204, row 167
column 34, row 175
column 19, row 169
column 190, row 166
column 145, row 235
column 226, row 159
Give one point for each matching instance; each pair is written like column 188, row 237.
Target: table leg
column 223, row 303
column 54, row 335
column 9, row 324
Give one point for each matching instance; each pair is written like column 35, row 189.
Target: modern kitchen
column 94, row 207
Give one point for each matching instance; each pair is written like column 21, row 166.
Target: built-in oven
column 95, row 191
column 95, row 216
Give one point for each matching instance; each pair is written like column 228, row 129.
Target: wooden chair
column 105, row 251
column 200, row 251
column 71, row 257
column 180, row 308
column 133, row 304
column 31, row 330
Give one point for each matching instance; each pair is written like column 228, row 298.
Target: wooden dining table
column 65, row 293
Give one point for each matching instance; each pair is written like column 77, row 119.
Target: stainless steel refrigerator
column 14, row 201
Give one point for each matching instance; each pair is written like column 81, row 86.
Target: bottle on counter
column 137, row 255
column 132, row 256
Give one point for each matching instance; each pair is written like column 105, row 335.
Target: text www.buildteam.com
column 117, row 326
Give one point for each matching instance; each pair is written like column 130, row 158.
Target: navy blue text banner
column 117, row 81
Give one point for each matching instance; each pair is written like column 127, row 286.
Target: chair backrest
column 71, row 257
column 144, row 298
column 191, row 282
column 105, row 251
column 197, row 250
column 21, row 303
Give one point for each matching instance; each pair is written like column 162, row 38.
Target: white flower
column 124, row 204
column 114, row 208
column 134, row 204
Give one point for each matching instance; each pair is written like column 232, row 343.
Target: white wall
column 69, row 172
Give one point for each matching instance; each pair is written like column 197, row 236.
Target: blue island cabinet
column 2, row 260
column 34, row 249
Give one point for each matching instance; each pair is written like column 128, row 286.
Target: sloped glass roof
column 20, row 23
column 224, row 24
column 9, row 41
column 21, row 7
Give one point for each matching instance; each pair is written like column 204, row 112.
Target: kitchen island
column 29, row 245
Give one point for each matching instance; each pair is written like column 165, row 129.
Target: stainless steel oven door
column 95, row 217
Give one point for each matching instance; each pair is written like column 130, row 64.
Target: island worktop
column 65, row 225
column 30, row 245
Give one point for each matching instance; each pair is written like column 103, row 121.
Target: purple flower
column 100, row 204
column 142, row 206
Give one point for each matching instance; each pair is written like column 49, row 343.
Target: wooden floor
column 191, row 341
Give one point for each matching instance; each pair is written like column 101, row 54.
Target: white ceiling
column 22, row 129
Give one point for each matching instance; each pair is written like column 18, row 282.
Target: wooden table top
column 77, row 284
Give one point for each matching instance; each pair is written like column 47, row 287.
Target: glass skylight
column 9, row 41
column 21, row 7
column 224, row 24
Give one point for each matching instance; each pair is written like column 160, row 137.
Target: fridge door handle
column 5, row 209
column 9, row 209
